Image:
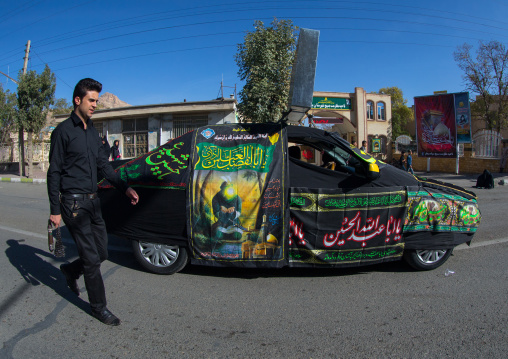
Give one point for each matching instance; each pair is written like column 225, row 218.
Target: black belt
column 81, row 196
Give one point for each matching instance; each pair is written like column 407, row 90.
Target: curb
column 22, row 180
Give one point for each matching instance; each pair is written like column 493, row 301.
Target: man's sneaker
column 106, row 317
column 72, row 281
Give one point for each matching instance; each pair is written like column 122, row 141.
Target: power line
column 253, row 19
column 45, row 18
column 145, row 43
column 145, row 55
column 18, row 10
column 36, row 54
column 42, row 42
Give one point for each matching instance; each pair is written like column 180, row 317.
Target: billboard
column 442, row 121
column 463, row 117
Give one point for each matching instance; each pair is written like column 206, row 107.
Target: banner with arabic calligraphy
column 330, row 228
column 166, row 167
column 433, row 211
column 236, row 202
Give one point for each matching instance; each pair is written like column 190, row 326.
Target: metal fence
column 10, row 153
column 486, row 143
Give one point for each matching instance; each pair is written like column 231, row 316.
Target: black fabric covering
column 159, row 217
column 161, row 178
column 435, row 240
column 302, row 174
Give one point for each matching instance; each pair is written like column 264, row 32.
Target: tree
column 265, row 60
column 487, row 76
column 7, row 113
column 401, row 114
column 62, row 107
column 36, row 94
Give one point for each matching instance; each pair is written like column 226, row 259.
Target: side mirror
column 373, row 171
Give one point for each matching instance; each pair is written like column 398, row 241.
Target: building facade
column 140, row 129
column 357, row 116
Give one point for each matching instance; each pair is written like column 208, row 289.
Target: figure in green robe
column 227, row 207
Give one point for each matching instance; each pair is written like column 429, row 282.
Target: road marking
column 65, row 240
column 481, row 244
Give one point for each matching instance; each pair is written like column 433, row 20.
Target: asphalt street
column 381, row 311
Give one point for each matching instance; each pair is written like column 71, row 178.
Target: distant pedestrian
column 402, row 161
column 355, row 144
column 115, row 151
column 105, row 146
column 409, row 162
column 74, row 158
column 364, row 146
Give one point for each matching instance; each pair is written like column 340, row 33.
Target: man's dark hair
column 83, row 86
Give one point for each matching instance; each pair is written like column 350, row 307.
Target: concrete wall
column 467, row 164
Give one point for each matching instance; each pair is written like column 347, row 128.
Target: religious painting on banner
column 436, row 126
column 236, row 200
column 432, row 211
column 330, row 228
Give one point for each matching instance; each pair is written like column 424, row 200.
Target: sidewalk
column 464, row 180
column 38, row 177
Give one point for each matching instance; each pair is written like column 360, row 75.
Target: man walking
column 409, row 162
column 75, row 155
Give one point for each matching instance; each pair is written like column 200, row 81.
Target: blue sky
column 153, row 52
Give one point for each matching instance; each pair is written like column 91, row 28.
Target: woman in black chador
column 115, row 151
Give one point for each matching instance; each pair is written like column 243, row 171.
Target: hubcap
column 159, row 255
column 431, row 256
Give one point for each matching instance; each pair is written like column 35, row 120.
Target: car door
column 346, row 216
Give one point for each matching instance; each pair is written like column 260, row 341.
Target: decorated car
column 274, row 195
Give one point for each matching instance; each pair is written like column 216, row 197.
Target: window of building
column 135, row 137
column 370, row 110
column 99, row 126
column 184, row 124
column 486, row 143
column 381, row 111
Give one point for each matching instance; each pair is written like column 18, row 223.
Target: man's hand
column 133, row 195
column 55, row 219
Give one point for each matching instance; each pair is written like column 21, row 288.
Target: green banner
column 252, row 156
column 331, row 103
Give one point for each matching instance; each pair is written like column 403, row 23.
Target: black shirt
column 74, row 157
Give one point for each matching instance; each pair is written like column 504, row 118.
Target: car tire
column 426, row 259
column 160, row 258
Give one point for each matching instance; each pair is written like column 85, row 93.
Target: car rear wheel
column 427, row 259
column 160, row 258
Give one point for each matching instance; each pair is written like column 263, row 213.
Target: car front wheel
column 160, row 258
column 427, row 259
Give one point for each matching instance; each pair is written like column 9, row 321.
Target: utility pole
column 21, row 139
